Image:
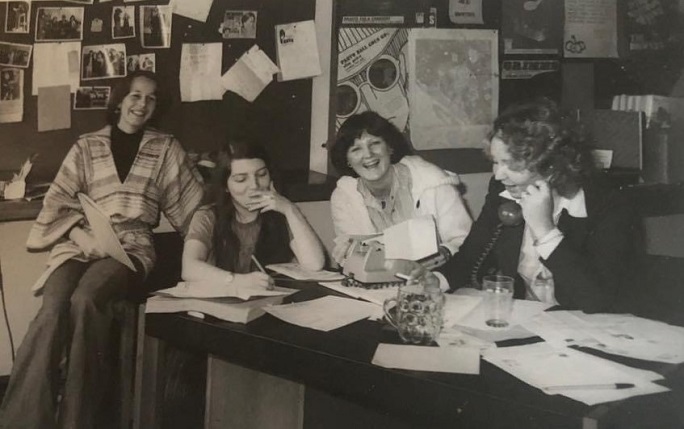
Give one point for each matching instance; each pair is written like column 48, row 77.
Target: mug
column 418, row 314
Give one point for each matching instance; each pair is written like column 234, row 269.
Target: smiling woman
column 384, row 184
column 132, row 172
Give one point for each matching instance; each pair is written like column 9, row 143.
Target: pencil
column 606, row 386
column 258, row 264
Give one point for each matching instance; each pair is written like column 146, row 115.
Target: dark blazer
column 594, row 259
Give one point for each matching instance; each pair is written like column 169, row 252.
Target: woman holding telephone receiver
column 570, row 230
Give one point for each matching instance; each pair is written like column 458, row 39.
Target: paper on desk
column 458, row 360
column 542, row 365
column 376, row 296
column 453, row 337
column 456, row 307
column 56, row 64
column 296, row 271
column 413, row 239
column 522, row 310
column 204, row 289
column 250, row 74
column 324, row 314
column 635, row 337
column 193, row 9
column 200, row 72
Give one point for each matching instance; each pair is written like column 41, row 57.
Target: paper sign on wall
column 297, row 50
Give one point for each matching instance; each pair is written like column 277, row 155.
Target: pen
column 258, row 264
column 403, row 276
column 590, row 386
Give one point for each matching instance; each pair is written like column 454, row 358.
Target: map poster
column 453, row 87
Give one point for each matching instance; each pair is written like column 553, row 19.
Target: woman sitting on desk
column 132, row 172
column 249, row 219
column 574, row 230
column 384, row 184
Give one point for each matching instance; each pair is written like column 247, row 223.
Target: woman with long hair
column 247, row 219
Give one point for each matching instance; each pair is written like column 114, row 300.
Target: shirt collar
column 576, row 206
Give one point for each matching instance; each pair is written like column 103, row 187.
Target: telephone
column 366, row 266
column 510, row 214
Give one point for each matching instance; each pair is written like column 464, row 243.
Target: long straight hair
column 226, row 242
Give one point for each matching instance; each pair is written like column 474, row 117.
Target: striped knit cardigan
column 161, row 179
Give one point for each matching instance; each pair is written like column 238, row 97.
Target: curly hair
column 544, row 140
column 371, row 123
column 123, row 88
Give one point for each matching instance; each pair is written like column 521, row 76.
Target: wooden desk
column 332, row 375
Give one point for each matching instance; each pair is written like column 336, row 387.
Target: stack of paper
column 413, row 239
column 203, row 289
column 228, row 309
column 419, row 358
column 620, row 334
column 574, row 374
column 376, row 296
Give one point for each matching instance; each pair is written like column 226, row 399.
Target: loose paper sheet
column 200, row 71
column 250, row 74
column 206, row 290
column 102, row 230
column 296, row 271
column 413, row 239
column 541, row 365
column 324, row 314
column 376, row 296
column 11, row 95
column 590, row 29
column 465, row 12
column 457, row 360
column 297, row 50
column 54, row 108
column 56, row 64
column 193, row 9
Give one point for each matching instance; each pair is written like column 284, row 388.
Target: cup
column 418, row 313
column 498, row 300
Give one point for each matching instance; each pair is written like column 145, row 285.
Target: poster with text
column 590, row 29
column 453, row 87
column 371, row 73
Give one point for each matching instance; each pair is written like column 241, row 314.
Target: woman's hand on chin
column 270, row 200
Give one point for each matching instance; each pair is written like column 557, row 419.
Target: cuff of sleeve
column 548, row 243
column 443, row 283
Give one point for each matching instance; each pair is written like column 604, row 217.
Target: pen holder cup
column 417, row 313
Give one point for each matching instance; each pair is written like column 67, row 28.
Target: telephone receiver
column 510, row 213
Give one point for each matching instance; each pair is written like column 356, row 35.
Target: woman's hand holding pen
column 255, row 278
column 87, row 242
column 537, row 208
column 270, row 200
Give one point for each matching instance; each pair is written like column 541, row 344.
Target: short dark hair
column 121, row 90
column 247, row 16
column 373, row 124
column 544, row 139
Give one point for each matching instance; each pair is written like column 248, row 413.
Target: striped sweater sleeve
column 61, row 208
column 181, row 186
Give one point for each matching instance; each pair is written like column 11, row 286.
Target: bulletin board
column 279, row 117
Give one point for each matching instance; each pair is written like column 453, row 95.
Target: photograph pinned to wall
column 15, row 54
column 103, row 61
column 465, row 11
column 96, row 25
column 155, row 22
column 11, row 95
column 530, row 26
column 17, row 17
column 371, row 73
column 145, row 62
column 590, row 29
column 239, row 24
column 123, row 22
column 91, row 97
column 54, row 24
column 453, row 87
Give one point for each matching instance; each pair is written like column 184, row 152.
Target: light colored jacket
column 434, row 193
